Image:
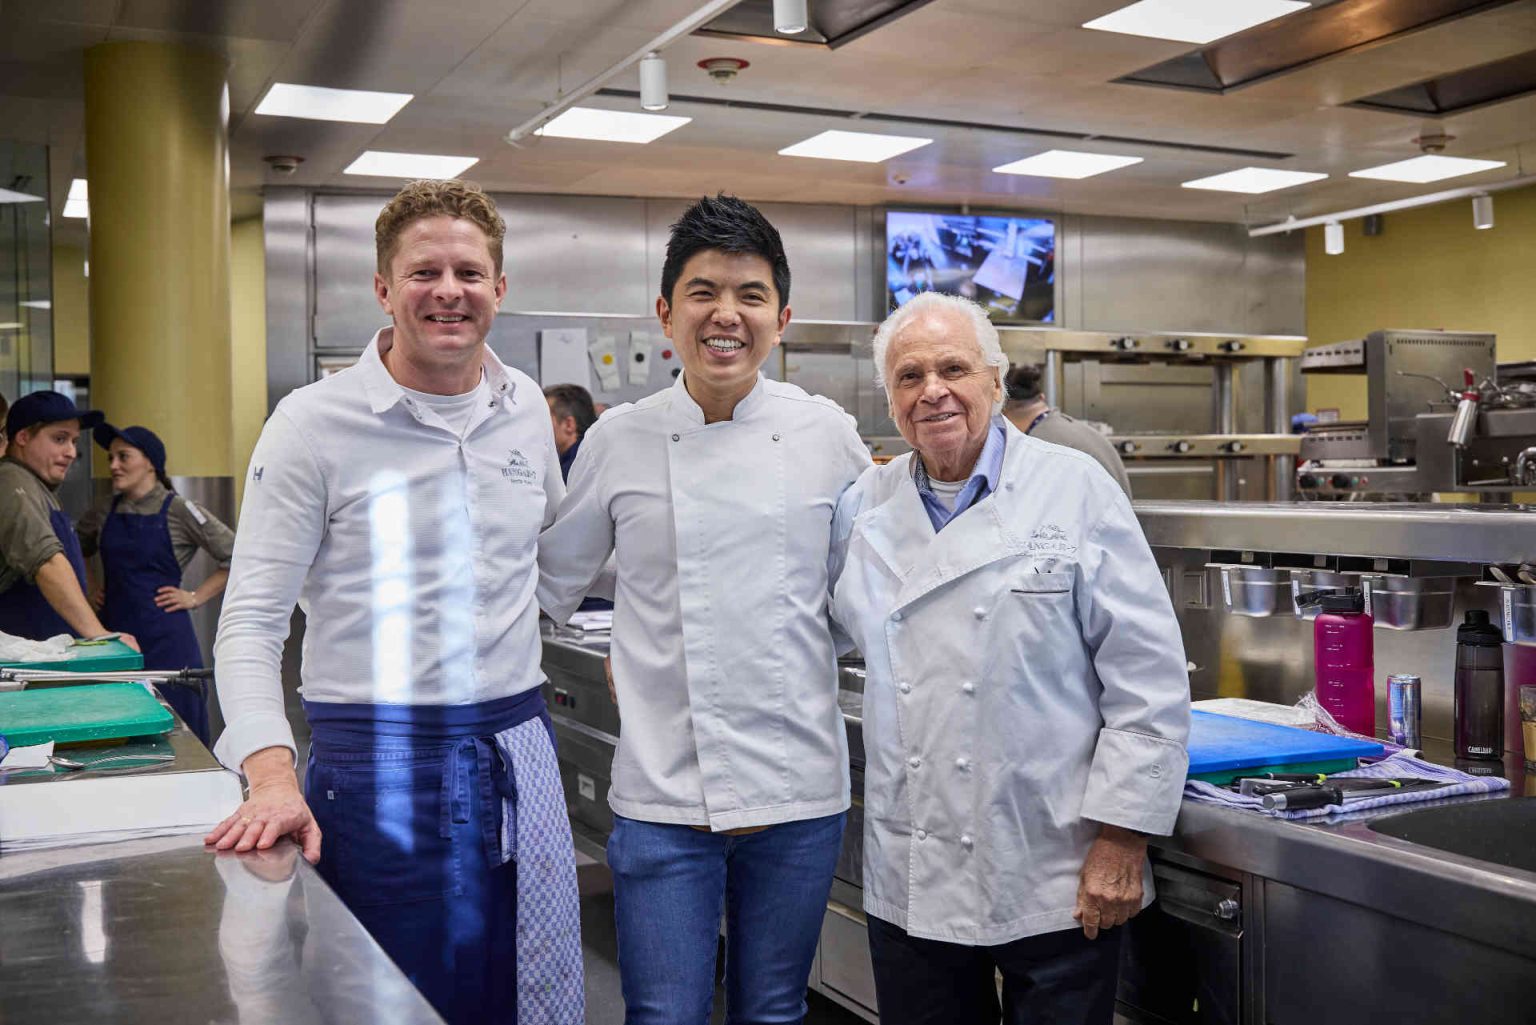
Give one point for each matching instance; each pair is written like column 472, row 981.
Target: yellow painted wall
column 1428, row 269
column 71, row 313
column 248, row 341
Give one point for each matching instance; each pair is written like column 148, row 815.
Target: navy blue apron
column 138, row 558
column 24, row 612
column 409, row 803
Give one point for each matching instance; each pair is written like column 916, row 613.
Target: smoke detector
column 1434, row 140
column 283, row 164
column 722, row 69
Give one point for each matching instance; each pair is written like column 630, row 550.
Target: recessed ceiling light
column 1065, row 163
column 37, row 304
column 864, row 147
column 77, row 203
column 1193, row 21
column 8, row 196
column 1428, row 168
column 1254, row 180
column 320, row 104
column 611, row 125
column 381, row 164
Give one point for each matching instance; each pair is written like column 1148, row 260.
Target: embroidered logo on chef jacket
column 256, row 473
column 1049, row 538
column 518, row 468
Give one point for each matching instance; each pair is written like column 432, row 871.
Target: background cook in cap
column 42, row 573
column 146, row 534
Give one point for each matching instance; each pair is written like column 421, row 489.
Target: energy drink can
column 1403, row 709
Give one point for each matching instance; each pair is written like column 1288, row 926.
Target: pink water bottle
column 1344, row 658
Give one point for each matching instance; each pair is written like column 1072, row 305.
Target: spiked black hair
column 730, row 225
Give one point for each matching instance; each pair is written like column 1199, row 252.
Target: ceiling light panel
column 1193, row 21
column 11, row 196
column 1254, row 180
column 611, row 125
column 381, row 164
column 1065, row 163
column 320, row 104
column 864, row 147
column 77, row 203
column 1428, row 168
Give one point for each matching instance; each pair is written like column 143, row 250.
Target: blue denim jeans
column 671, row 884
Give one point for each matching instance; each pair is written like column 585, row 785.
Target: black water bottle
column 1479, row 688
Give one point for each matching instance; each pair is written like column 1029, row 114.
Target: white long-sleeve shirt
column 409, row 543
column 723, row 659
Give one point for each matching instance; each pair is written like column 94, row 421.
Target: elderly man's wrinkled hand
column 1109, row 886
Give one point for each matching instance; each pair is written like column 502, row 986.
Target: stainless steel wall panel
column 285, row 230
column 1144, row 275
column 576, row 254
column 346, row 312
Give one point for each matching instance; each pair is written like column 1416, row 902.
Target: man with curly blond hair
column 399, row 502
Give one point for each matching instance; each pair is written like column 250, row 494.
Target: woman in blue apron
column 146, row 534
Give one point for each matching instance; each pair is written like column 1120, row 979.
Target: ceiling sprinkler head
column 722, row 69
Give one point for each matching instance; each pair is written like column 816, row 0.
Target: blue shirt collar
column 981, row 483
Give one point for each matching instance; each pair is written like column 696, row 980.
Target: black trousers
column 1059, row 978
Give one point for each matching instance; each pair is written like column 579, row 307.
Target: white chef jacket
column 723, row 658
column 1025, row 683
column 410, row 545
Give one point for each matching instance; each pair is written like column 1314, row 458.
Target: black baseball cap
column 141, row 438
column 47, row 407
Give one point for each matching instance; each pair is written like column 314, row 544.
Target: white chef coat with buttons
column 723, row 658
column 409, row 543
column 1025, row 683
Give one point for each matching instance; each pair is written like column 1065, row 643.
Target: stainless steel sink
column 1501, row 831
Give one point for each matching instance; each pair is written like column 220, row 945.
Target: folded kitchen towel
column 1402, row 765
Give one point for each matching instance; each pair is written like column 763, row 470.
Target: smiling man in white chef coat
column 716, row 496
column 1026, row 703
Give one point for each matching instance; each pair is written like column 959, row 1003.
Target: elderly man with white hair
column 1027, row 703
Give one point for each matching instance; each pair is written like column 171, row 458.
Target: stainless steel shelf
column 1463, row 534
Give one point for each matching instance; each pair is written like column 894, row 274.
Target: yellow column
column 157, row 157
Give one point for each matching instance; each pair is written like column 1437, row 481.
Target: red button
column 666, row 353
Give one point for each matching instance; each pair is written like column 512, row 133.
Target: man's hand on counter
column 274, row 808
column 1109, row 887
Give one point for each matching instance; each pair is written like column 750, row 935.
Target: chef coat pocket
column 382, row 826
column 1029, row 585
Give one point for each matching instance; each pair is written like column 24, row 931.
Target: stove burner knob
column 1127, row 447
column 1342, row 480
column 1307, row 480
column 1180, row 447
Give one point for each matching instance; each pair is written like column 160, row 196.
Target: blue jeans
column 671, row 884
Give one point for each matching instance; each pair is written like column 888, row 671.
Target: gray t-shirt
column 1061, row 429
column 27, row 539
column 190, row 525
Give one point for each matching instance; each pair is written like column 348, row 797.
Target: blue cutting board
column 1222, row 743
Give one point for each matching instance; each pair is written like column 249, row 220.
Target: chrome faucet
column 1523, row 466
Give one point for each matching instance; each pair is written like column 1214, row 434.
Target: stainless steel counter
column 161, row 930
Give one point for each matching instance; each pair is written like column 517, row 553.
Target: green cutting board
column 93, row 711
column 90, row 657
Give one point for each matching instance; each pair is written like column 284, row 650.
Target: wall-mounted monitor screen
column 1007, row 264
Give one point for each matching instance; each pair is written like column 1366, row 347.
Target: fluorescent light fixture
column 1482, row 213
column 1066, row 163
column 653, row 82
column 77, row 203
column 1193, row 21
column 11, row 325
column 611, row 125
column 321, row 104
column 382, row 164
column 38, row 304
column 1254, row 180
column 865, row 147
column 1333, row 238
column 1428, row 168
column 790, row 17
column 8, row 196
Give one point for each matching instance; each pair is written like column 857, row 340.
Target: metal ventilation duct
column 832, row 23
column 1298, row 40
